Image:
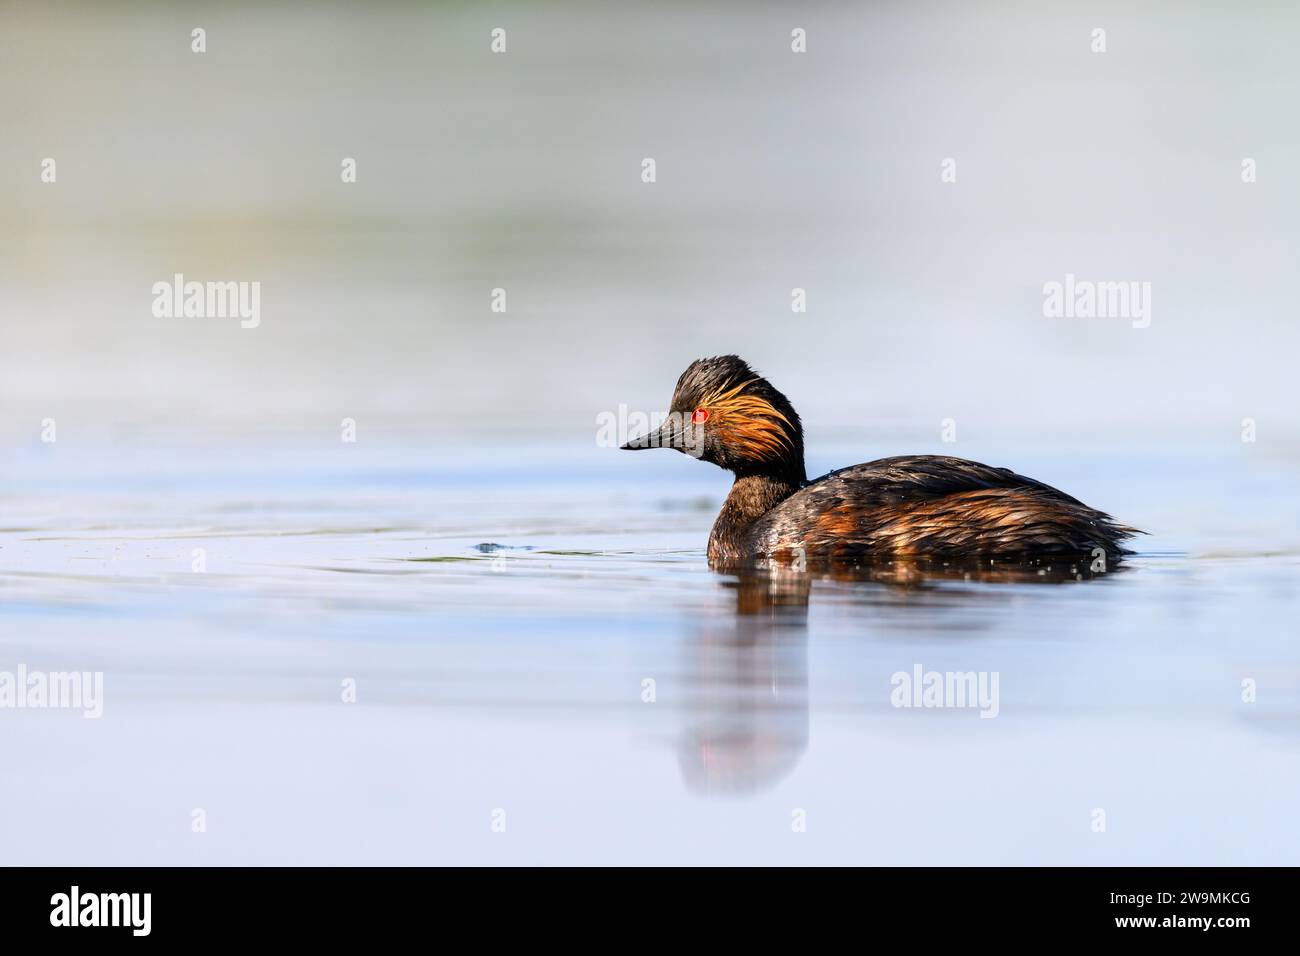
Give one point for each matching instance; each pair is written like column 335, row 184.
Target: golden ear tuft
column 749, row 421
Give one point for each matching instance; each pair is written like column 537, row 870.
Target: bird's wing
column 933, row 504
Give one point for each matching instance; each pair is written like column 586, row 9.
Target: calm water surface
column 503, row 607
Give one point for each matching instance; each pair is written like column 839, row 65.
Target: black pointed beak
column 661, row 437
column 673, row 433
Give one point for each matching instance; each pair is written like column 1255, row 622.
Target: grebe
column 912, row 505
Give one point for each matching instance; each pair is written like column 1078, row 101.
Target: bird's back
column 931, row 504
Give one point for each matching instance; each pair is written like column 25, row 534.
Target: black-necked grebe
column 724, row 412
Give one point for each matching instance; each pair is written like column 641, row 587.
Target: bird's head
column 724, row 412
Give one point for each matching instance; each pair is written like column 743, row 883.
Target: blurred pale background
column 775, row 171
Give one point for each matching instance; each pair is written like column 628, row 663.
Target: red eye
column 699, row 416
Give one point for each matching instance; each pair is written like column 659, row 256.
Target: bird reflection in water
column 748, row 686
column 747, row 675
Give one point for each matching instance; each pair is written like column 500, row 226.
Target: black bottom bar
column 334, row 905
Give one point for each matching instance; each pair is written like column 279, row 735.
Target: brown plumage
column 913, row 505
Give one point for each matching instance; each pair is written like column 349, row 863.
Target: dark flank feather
column 911, row 505
column 930, row 504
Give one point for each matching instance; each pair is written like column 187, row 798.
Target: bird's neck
column 752, row 496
